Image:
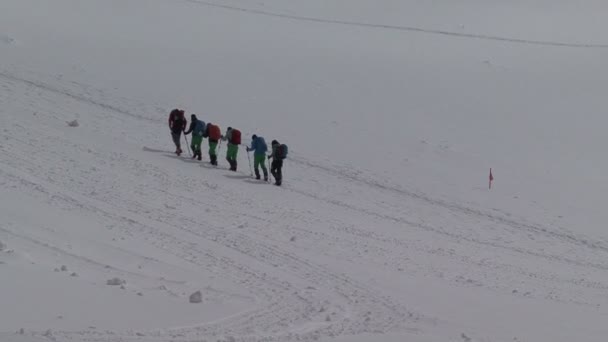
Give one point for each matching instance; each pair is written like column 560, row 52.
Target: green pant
column 212, row 148
column 197, row 140
column 233, row 150
column 260, row 160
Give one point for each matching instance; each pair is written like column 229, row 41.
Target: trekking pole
column 187, row 145
column 269, row 168
column 250, row 168
column 219, row 147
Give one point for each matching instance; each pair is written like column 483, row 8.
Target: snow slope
column 385, row 230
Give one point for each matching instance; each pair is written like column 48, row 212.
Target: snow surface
column 384, row 230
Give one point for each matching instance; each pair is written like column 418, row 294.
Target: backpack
column 199, row 127
column 282, row 151
column 174, row 114
column 178, row 122
column 236, row 137
column 214, row 132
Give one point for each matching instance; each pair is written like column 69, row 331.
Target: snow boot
column 232, row 164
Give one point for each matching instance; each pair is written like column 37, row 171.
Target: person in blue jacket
column 197, row 128
column 259, row 148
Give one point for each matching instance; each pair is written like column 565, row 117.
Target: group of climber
column 199, row 130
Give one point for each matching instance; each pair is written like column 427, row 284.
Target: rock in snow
column 115, row 282
column 196, row 297
column 73, row 123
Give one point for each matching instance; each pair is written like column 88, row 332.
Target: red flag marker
column 491, row 179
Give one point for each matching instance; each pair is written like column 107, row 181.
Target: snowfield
column 384, row 230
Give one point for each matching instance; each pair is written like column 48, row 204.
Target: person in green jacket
column 233, row 146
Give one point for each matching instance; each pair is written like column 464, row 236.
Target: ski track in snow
column 282, row 311
column 273, row 290
column 81, row 97
column 291, row 288
column 400, row 28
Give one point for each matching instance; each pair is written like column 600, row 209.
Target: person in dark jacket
column 177, row 124
column 259, row 148
column 197, row 128
column 277, row 163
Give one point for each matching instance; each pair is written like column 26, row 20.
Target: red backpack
column 177, row 121
column 236, row 137
column 214, row 132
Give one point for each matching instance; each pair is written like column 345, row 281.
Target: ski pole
column 219, row 147
column 187, row 145
column 250, row 168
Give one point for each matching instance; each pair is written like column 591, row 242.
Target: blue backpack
column 199, row 127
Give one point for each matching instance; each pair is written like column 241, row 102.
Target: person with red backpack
column 214, row 134
column 279, row 153
column 233, row 136
column 177, row 124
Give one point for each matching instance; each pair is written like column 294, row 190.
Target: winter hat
column 254, row 136
column 274, row 142
column 193, row 116
column 229, row 129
